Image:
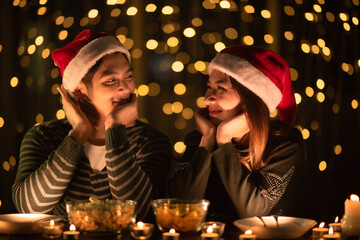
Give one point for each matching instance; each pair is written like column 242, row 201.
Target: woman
column 245, row 164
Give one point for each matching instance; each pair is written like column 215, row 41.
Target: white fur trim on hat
column 87, row 57
column 249, row 76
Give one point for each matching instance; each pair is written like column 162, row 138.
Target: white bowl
column 288, row 227
column 21, row 223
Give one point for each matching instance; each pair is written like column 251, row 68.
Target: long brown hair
column 253, row 145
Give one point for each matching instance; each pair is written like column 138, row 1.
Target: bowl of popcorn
column 95, row 216
column 183, row 215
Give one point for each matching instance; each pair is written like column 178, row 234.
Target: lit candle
column 248, row 235
column 171, row 235
column 141, row 230
column 218, row 227
column 352, row 206
column 52, row 230
column 72, row 234
column 209, row 234
column 319, row 231
column 332, row 235
column 335, row 225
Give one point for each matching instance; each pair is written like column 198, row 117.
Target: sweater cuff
column 226, row 151
column 115, row 136
column 70, row 150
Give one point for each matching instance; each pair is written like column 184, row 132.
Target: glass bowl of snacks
column 183, row 215
column 101, row 216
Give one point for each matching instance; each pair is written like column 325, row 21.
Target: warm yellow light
column 294, row 74
column 152, row 44
column 317, row 8
column 358, row 62
column 208, row 4
column 336, row 108
column 177, row 107
column 154, row 89
column 289, row 35
column 180, row 123
column 63, row 34
column 345, row 67
column 167, row 10
column 196, row 22
column 289, row 10
column 274, row 114
column 12, row 161
column 177, row 66
column 187, row 113
column 297, row 98
column 320, row 84
column 14, row 81
column 309, row 16
column 224, row 4
column 39, row 118
column 179, row 147
column 131, row 11
column 305, row 47
column 231, row 33
column 268, row 39
column 344, row 17
column 179, row 89
column 321, row 43
column 346, row 26
column 172, row 42
column 41, row 11
column 168, row 28
column 219, row 46
column 355, row 21
column 183, row 57
column 60, row 114
column 150, row 7
column 59, row 20
column 200, row 102
column 84, row 21
column 314, row 125
column 354, row 197
column 337, row 149
column 167, row 108
column 266, row 14
column 322, row 166
column 248, row 40
column 68, row 22
column 143, row 90
column 2, row 122
column 0, row 48
column 200, row 66
column 93, row 13
column 6, row 166
column 315, row 49
column 39, row 40
column 354, row 104
column 111, row 2
column 136, row 53
column 309, row 91
column 305, row 133
column 249, row 9
column 189, row 32
column 45, row 53
column 326, row 51
column 330, row 17
column 320, row 97
column 16, row 3
column 31, row 49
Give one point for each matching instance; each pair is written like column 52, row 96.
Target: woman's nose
column 209, row 98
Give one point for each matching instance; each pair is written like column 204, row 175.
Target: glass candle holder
column 52, row 228
column 141, row 230
column 218, row 227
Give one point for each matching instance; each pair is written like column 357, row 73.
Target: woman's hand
column 235, row 127
column 123, row 115
column 206, row 128
column 81, row 126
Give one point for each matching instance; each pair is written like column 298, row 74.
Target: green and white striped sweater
column 53, row 168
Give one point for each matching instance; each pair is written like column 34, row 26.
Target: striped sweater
column 53, row 168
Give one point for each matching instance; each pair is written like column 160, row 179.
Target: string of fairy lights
column 167, row 32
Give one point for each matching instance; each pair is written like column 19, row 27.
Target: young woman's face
column 112, row 84
column 221, row 98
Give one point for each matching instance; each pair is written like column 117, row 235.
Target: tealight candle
column 248, row 235
column 335, row 225
column 218, row 227
column 319, row 231
column 52, row 229
column 332, row 235
column 72, row 234
column 209, row 234
column 171, row 235
column 141, row 230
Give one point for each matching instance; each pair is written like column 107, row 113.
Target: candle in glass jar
column 52, row 229
column 248, row 235
column 141, row 230
column 72, row 234
column 352, row 206
column 218, row 227
column 332, row 235
column 318, row 232
column 335, row 225
column 209, row 234
column 171, row 235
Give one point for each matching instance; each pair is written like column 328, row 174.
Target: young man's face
column 112, row 84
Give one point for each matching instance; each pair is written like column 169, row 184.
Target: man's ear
column 81, row 91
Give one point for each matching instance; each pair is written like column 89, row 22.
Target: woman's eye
column 221, row 88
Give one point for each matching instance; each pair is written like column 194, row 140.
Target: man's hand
column 206, row 128
column 123, row 115
column 235, row 127
column 81, row 126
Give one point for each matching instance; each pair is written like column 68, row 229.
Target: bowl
column 269, row 227
column 101, row 216
column 183, row 215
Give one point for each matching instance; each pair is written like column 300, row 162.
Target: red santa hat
column 77, row 57
column 263, row 72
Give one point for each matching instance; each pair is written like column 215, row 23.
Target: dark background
column 328, row 111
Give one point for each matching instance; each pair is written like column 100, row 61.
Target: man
column 100, row 150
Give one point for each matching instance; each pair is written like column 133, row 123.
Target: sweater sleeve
column 139, row 170
column 43, row 174
column 256, row 194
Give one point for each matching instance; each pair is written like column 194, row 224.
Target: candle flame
column 209, row 229
column 214, row 225
column 321, row 225
column 354, row 197
column 72, row 227
column 52, row 223
column 248, row 232
column 331, row 230
column 140, row 224
column 172, row 230
column 336, row 219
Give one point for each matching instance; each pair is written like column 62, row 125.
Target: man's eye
column 110, row 81
column 129, row 77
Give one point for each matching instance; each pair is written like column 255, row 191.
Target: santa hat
column 263, row 72
column 77, row 57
